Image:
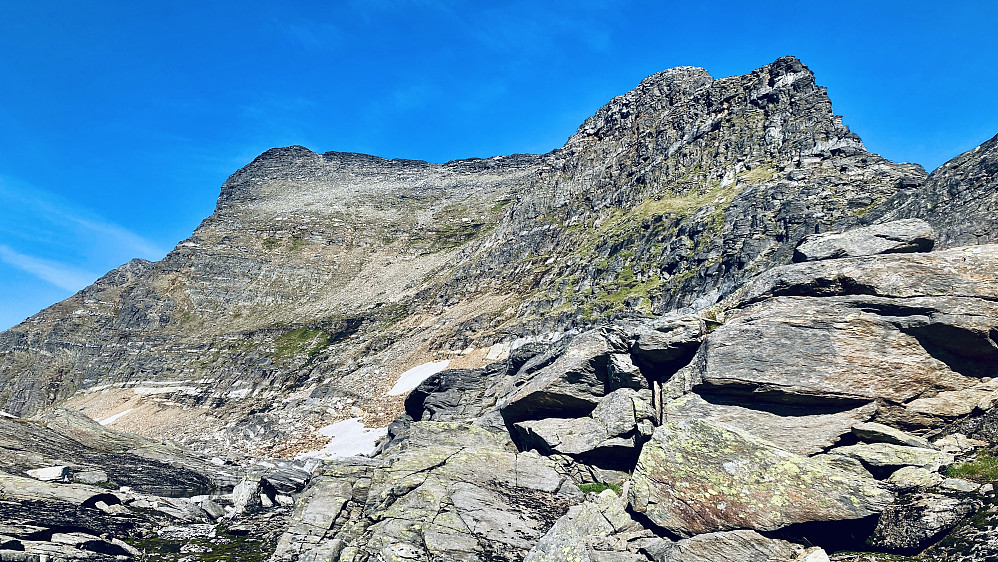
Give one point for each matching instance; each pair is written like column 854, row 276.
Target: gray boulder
column 891, row 457
column 697, row 477
column 880, row 433
column 832, row 349
column 601, row 524
column 572, row 385
column 901, row 236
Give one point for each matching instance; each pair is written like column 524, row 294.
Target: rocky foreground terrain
column 711, row 327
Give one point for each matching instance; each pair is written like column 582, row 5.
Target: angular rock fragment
column 901, row 236
column 915, row 520
column 880, row 433
column 611, row 429
column 908, row 478
column 571, row 385
column 667, row 343
column 698, row 477
column 586, row 528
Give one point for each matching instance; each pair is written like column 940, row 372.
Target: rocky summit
column 710, row 327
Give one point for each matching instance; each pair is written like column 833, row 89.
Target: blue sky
column 119, row 120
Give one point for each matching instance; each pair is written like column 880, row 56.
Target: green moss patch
column 597, row 487
column 983, row 469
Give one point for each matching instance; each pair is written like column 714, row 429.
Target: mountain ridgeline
column 623, row 311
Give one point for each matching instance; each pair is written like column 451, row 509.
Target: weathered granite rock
column 698, row 477
column 610, row 431
column 572, row 385
column 667, row 343
column 891, row 456
column 879, row 433
column 955, row 403
column 728, row 546
column 450, row 491
column 804, row 430
column 901, row 236
column 831, row 349
column 909, row 478
column 598, row 525
column 914, row 521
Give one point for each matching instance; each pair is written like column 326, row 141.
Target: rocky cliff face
column 621, row 312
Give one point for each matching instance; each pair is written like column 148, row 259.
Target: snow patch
column 111, row 419
column 350, row 438
column 411, row 378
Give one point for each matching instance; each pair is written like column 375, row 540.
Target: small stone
column 880, row 433
column 909, row 478
column 960, row 485
column 91, row 476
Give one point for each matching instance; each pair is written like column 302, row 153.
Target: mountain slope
column 321, row 277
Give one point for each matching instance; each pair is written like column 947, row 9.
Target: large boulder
column 901, row 236
column 697, row 477
column 822, row 350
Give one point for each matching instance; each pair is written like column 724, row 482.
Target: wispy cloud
column 63, row 244
column 59, row 274
column 36, row 215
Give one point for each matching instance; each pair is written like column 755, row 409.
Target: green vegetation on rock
column 597, row 487
column 983, row 469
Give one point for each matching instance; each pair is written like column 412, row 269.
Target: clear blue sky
column 119, row 120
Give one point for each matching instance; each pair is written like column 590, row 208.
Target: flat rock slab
column 960, row 272
column 697, row 477
column 880, row 433
column 790, row 428
column 889, row 455
column 729, row 546
column 901, row 236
